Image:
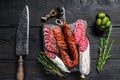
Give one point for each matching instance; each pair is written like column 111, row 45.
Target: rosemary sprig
column 105, row 46
column 49, row 65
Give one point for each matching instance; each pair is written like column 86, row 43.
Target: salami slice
column 47, row 28
column 80, row 24
column 50, row 55
column 80, row 30
column 77, row 36
column 57, row 61
column 50, row 42
column 51, row 48
column 83, row 44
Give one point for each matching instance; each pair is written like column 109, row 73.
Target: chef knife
column 22, row 41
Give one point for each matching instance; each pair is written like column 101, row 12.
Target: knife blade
column 22, row 41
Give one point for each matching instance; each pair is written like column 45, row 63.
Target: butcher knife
column 22, row 41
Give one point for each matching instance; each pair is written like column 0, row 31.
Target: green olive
column 107, row 18
column 104, row 20
column 102, row 27
column 108, row 23
column 101, row 15
column 98, row 22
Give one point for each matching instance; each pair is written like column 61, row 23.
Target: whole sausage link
column 66, row 58
column 71, row 43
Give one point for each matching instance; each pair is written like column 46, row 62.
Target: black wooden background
column 85, row 9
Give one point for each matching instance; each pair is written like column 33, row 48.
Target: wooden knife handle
column 20, row 72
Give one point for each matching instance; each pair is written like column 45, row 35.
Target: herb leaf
column 104, row 50
column 49, row 65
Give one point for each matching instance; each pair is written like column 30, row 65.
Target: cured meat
column 84, row 49
column 51, row 48
column 84, row 62
column 80, row 30
column 57, row 61
column 50, row 55
column 81, row 25
column 59, row 37
column 66, row 58
column 70, row 40
column 83, row 44
column 50, row 42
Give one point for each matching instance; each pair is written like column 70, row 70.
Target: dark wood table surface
column 85, row 9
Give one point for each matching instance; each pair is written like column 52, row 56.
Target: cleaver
column 22, row 41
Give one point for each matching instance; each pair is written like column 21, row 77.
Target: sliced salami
column 47, row 28
column 77, row 36
column 50, row 55
column 57, row 61
column 83, row 44
column 49, row 40
column 80, row 24
column 80, row 30
column 51, row 48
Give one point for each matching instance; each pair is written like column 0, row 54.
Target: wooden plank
column 94, row 43
column 7, row 43
column 75, row 9
column 10, row 11
column 34, row 71
column 7, row 40
column 88, row 9
column 8, row 70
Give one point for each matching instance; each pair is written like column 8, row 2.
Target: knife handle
column 20, row 72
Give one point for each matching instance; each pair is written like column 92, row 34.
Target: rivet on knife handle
column 20, row 72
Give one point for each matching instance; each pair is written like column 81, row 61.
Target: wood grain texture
column 10, row 11
column 75, row 9
column 34, row 71
column 7, row 41
column 85, row 9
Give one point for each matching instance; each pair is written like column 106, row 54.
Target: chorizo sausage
column 71, row 43
column 59, row 37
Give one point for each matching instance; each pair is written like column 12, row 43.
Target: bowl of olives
column 103, row 21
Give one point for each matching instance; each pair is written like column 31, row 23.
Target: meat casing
column 71, row 43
